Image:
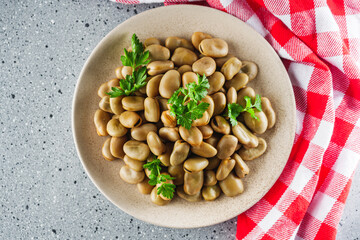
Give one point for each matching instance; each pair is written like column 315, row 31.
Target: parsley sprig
column 235, row 109
column 185, row 102
column 136, row 59
column 166, row 189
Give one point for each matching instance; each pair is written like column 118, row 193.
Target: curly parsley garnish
column 136, row 59
column 185, row 102
column 235, row 109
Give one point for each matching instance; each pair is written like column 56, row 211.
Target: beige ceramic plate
column 182, row 21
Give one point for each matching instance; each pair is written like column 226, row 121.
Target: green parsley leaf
column 116, row 92
column 136, row 59
column 164, row 178
column 154, row 167
column 188, row 110
column 153, row 181
column 252, row 113
column 257, row 103
column 248, row 102
column 184, row 120
column 136, row 45
column 198, row 91
column 166, row 189
column 235, row 109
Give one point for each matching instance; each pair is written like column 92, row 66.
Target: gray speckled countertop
column 44, row 191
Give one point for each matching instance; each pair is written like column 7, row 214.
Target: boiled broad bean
column 258, row 125
column 231, row 95
column 183, row 56
column 189, row 77
column 136, row 150
column 115, row 128
column 214, row 47
column 184, row 68
column 101, row 119
column 220, row 61
column 131, row 176
column 241, row 169
column 134, row 164
column 158, row 67
column 169, row 83
column 163, row 102
column 169, row 134
column 106, row 150
column 211, row 107
column 250, row 68
column 239, row 81
column 116, row 106
column 253, row 153
column 220, row 125
column 231, row 67
column 179, row 153
column 151, row 109
column 147, row 172
column 106, row 87
column 219, row 102
column 151, row 41
column 195, row 164
column 205, row 65
column 203, row 121
column 142, row 115
column 210, row 193
column 116, row 146
column 244, row 136
column 247, row 91
column 167, row 119
column 104, row 104
column 204, row 150
column 226, row 146
column 206, row 131
column 144, row 187
column 214, row 162
column 152, row 87
column 209, row 178
column 122, row 71
column 213, row 140
column 197, row 37
column 190, row 198
column 225, row 167
column 178, row 173
column 133, row 103
column 193, row 135
column 158, row 52
column 155, row 144
column 216, row 82
column 165, row 156
column 174, row 42
column 193, row 182
column 130, row 119
column 155, row 198
column 140, row 133
column 232, row 185
column 269, row 111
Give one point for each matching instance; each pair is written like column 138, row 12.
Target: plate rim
column 76, row 95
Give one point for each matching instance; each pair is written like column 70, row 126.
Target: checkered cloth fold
column 319, row 44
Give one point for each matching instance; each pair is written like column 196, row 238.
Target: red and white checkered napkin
column 319, row 43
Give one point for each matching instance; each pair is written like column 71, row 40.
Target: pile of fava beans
column 209, row 158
